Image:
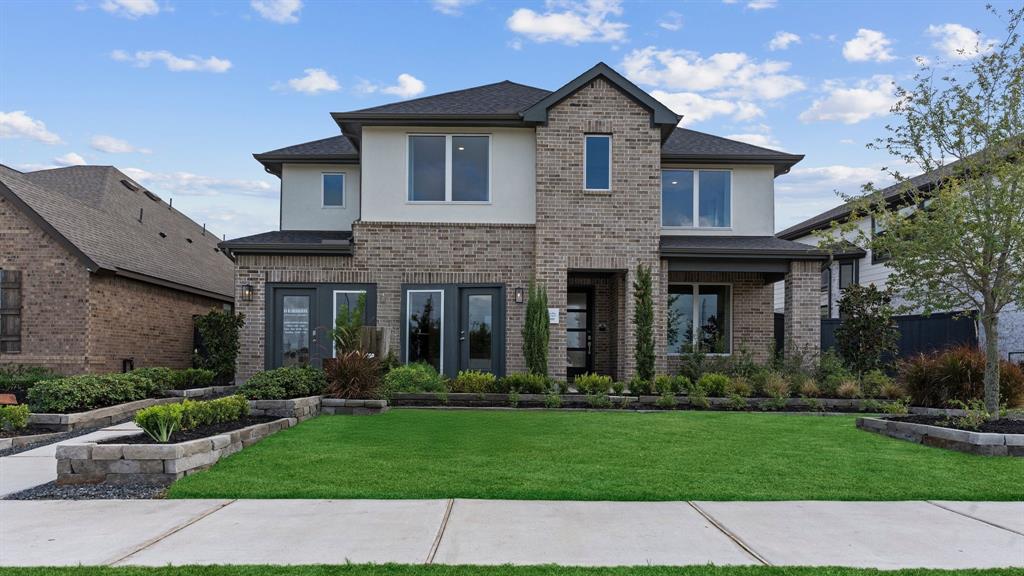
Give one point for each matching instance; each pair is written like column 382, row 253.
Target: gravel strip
column 55, row 439
column 50, row 491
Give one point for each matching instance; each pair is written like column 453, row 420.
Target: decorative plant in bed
column 14, row 420
column 191, row 420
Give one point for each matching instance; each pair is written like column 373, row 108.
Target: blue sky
column 179, row 94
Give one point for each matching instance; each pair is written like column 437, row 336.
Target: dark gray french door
column 481, row 330
column 579, row 339
column 294, row 326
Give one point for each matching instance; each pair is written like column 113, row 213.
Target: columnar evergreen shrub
column 218, row 351
column 536, row 331
column 643, row 321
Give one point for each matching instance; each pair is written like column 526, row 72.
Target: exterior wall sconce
column 247, row 291
column 519, row 296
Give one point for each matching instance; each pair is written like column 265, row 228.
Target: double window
column 704, row 193
column 699, row 318
column 10, row 311
column 449, row 168
column 332, row 187
column 597, row 161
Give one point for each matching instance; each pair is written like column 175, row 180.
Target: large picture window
column 10, row 311
column 597, row 158
column 699, row 318
column 449, row 168
column 425, row 327
column 706, row 193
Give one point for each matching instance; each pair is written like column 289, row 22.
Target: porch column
column 555, row 281
column 803, row 316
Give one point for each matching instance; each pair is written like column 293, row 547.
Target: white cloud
column 451, row 7
column 18, row 124
column 187, row 183
column 70, row 159
column 673, row 21
column 131, row 8
column 959, row 42
column 143, row 59
column 280, row 11
column 849, row 105
column 571, row 22
column 315, row 81
column 407, row 87
column 763, row 140
column 761, row 4
column 847, row 141
column 697, row 108
column 810, row 190
column 868, row 45
column 782, row 40
column 112, row 145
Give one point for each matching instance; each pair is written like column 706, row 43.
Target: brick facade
column 803, row 316
column 73, row 321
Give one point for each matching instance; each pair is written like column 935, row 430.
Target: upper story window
column 449, row 168
column 847, row 273
column 706, row 193
column 333, row 189
column 597, row 160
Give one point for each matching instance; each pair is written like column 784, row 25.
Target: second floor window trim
column 452, row 177
column 695, row 193
column 323, row 190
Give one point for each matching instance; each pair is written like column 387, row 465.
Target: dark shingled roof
column 685, row 145
column 921, row 181
column 329, row 150
column 739, row 246
column 96, row 216
column 500, row 98
column 292, row 241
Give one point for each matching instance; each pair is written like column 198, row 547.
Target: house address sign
column 552, row 315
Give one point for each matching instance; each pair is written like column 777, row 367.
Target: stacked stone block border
column 154, row 464
column 208, row 392
column 97, row 418
column 981, row 443
column 334, row 406
column 298, row 408
column 22, row 441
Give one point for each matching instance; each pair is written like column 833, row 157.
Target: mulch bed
column 29, row 431
column 194, row 434
column 1001, row 426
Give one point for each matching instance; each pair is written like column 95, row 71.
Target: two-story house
column 441, row 210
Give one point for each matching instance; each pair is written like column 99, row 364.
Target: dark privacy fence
column 917, row 333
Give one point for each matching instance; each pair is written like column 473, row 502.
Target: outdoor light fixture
column 247, row 292
column 519, row 295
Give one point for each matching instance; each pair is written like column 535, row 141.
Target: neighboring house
column 442, row 209
column 856, row 265
column 98, row 274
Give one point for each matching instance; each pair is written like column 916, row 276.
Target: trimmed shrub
column 354, row 374
column 17, row 379
column 169, row 379
column 283, row 383
column 667, row 401
column 89, row 391
column 677, row 384
column 525, row 383
column 210, row 412
column 14, row 417
column 957, row 375
column 739, row 386
column 593, row 384
column 418, row 377
column 618, row 387
column 641, row 386
column 218, row 348
column 473, row 382
column 872, row 383
column 714, row 384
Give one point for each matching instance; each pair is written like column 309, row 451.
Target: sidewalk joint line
column 735, row 538
column 965, row 515
column 440, row 532
column 170, row 532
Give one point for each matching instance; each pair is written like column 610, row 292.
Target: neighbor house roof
column 333, row 150
column 337, row 242
column 718, row 247
column 113, row 224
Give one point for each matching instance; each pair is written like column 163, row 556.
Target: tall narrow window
column 677, row 198
column 348, row 302
column 699, row 318
column 680, row 319
column 10, row 311
column 847, row 273
column 598, row 162
column 715, row 199
column 333, row 190
column 470, row 168
column 427, row 168
column 424, row 327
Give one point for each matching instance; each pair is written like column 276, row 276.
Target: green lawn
column 436, row 570
column 554, row 455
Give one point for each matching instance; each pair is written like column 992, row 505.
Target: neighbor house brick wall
column 803, row 316
column 54, row 288
column 611, row 231
column 132, row 319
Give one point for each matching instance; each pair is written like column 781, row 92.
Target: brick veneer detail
column 802, row 301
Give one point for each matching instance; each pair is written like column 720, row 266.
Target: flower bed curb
column 982, row 443
column 334, row 406
column 97, row 418
column 20, row 441
column 298, row 408
column 208, row 392
column 154, row 464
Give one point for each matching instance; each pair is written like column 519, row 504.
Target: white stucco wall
column 302, row 201
column 752, row 203
column 386, row 176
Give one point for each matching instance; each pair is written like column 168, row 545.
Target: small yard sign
column 552, row 315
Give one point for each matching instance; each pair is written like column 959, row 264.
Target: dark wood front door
column 579, row 338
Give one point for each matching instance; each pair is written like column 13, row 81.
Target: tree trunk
column 990, row 323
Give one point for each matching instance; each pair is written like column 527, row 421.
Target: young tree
column 960, row 243
column 536, row 332
column 643, row 319
column 868, row 330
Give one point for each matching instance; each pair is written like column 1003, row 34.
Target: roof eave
column 234, row 249
column 273, row 163
column 173, row 285
column 719, row 253
column 782, row 163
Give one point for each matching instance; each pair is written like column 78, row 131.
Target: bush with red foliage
column 957, row 374
column 355, row 375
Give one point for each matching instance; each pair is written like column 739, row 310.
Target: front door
column 578, row 337
column 481, row 332
column 294, row 327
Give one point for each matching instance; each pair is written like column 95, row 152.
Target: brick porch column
column 803, row 316
column 252, row 336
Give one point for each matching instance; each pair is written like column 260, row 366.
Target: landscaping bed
column 1000, row 426
column 941, row 434
column 97, row 418
column 195, row 433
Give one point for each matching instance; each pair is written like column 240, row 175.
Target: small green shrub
column 88, row 392
column 473, row 382
column 677, row 384
column 14, row 417
column 973, row 417
column 599, row 401
column 169, row 379
column 160, row 422
column 896, row 407
column 524, row 383
column 737, row 401
column 210, row 412
column 553, row 400
column 872, row 383
column 739, row 386
column 513, row 399
column 776, row 387
column 714, row 384
column 283, row 383
column 593, row 384
column 418, row 377
column 618, row 387
column 814, row 405
column 642, row 387
column 698, row 397
column 667, row 401
column 17, row 379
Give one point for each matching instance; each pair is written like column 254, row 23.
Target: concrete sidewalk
column 883, row 535
column 39, row 466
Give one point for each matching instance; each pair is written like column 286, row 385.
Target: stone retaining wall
column 20, row 441
column 159, row 464
column 97, row 418
column 352, row 407
column 982, row 443
column 208, row 392
column 298, row 408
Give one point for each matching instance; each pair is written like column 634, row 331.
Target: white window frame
column 344, row 191
column 408, row 312
column 448, row 169
column 696, row 200
column 587, row 137
column 694, row 314
column 334, row 316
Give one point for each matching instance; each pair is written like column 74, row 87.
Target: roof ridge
column 448, row 93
